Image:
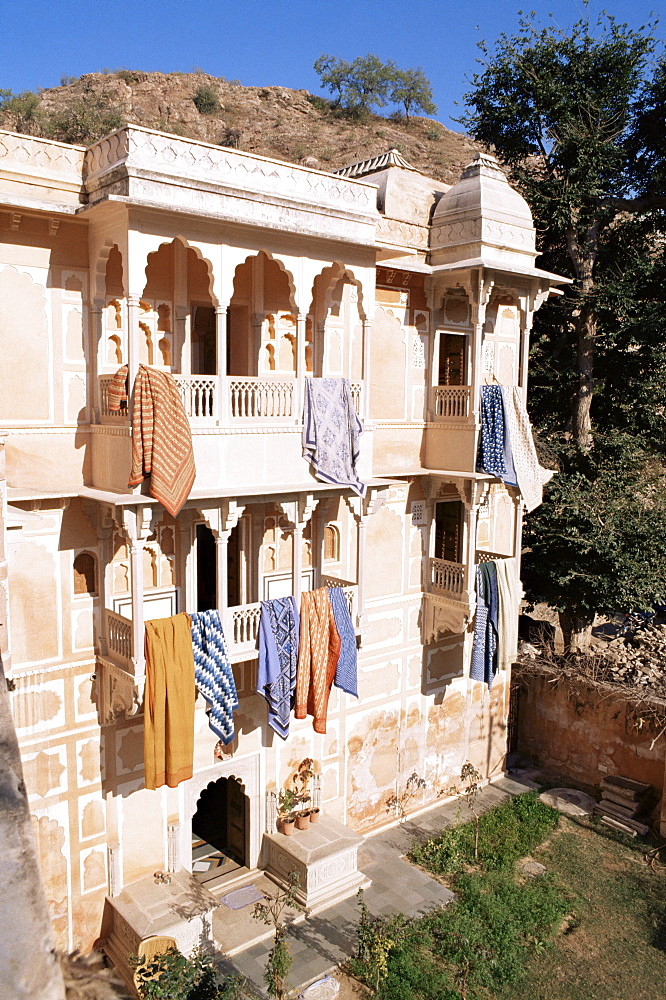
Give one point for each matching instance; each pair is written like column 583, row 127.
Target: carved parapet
column 446, row 616
column 117, row 692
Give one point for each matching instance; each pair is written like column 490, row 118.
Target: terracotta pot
column 302, row 822
column 287, row 827
column 314, row 815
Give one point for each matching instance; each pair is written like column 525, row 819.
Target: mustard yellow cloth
column 168, row 726
column 318, row 654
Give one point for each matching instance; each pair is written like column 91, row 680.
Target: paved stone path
column 320, row 943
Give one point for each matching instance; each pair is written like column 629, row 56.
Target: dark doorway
column 204, row 348
column 448, row 531
column 452, row 349
column 233, row 568
column 219, row 830
column 206, row 572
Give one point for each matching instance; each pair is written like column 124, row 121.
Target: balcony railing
column 451, row 402
column 241, row 627
column 447, row 577
column 261, row 398
column 248, row 398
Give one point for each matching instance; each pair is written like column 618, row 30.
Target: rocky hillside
column 274, row 121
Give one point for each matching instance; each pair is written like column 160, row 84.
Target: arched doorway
column 219, row 830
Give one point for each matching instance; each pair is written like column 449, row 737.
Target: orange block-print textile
column 168, row 720
column 161, row 435
column 317, row 657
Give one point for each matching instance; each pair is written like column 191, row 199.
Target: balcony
column 450, row 402
column 240, row 624
column 451, row 436
column 209, row 399
column 246, row 431
column 448, row 604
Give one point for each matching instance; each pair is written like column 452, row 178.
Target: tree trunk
column 576, row 631
column 584, row 259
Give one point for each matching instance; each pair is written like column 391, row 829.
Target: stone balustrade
column 451, row 402
column 447, row 577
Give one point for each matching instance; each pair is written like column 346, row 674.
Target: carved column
column 133, row 345
column 115, row 870
column 221, row 354
column 173, row 847
column 222, row 520
column 137, row 523
column 182, row 350
column 97, row 324
column 254, row 345
column 188, row 589
column 300, row 365
column 365, row 390
column 101, row 518
column 482, row 293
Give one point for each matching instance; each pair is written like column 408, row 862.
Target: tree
column 359, row 85
column 572, row 116
column 333, row 74
column 413, row 90
column 599, row 542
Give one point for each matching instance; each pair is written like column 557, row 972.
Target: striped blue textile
column 278, row 658
column 484, row 646
column 213, row 672
column 345, row 672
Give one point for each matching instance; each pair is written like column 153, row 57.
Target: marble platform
column 325, row 857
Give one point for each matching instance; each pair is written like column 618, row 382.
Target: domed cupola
column 483, row 220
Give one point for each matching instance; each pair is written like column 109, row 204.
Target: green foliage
column 130, row 76
column 398, row 803
column 377, row 937
column 320, row 103
column 84, row 119
column 368, row 83
column 23, row 107
column 412, row 89
column 272, row 910
column 206, row 100
column 599, row 542
column 486, row 935
column 172, row 976
column 504, row 835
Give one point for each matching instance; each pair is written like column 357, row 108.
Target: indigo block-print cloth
column 490, row 457
column 331, row 431
column 346, row 670
column 278, row 659
column 484, row 648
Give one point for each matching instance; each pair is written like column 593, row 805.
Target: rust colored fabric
column 168, row 720
column 116, row 393
column 161, row 435
column 318, row 654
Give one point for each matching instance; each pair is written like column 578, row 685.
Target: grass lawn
column 593, row 925
column 616, row 948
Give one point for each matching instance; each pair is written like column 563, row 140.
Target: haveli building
column 243, row 276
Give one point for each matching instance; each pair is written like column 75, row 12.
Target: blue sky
column 270, row 42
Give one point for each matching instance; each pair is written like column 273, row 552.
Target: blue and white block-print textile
column 346, row 670
column 278, row 659
column 213, row 672
column 490, row 458
column 331, row 431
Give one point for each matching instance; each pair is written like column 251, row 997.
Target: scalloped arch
column 337, row 270
column 100, row 269
column 282, row 266
column 188, row 246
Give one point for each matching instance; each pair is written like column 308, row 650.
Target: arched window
column 331, row 543
column 85, row 574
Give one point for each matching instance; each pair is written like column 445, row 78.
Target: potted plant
column 287, row 803
column 301, row 786
column 302, row 819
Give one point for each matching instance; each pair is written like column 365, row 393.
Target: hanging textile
column 490, row 457
column 346, row 670
column 318, row 654
column 484, row 647
column 509, row 589
column 161, row 435
column 278, row 659
column 168, row 726
column 213, row 673
column 530, row 474
column 331, row 431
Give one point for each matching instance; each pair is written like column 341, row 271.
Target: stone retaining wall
column 584, row 732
